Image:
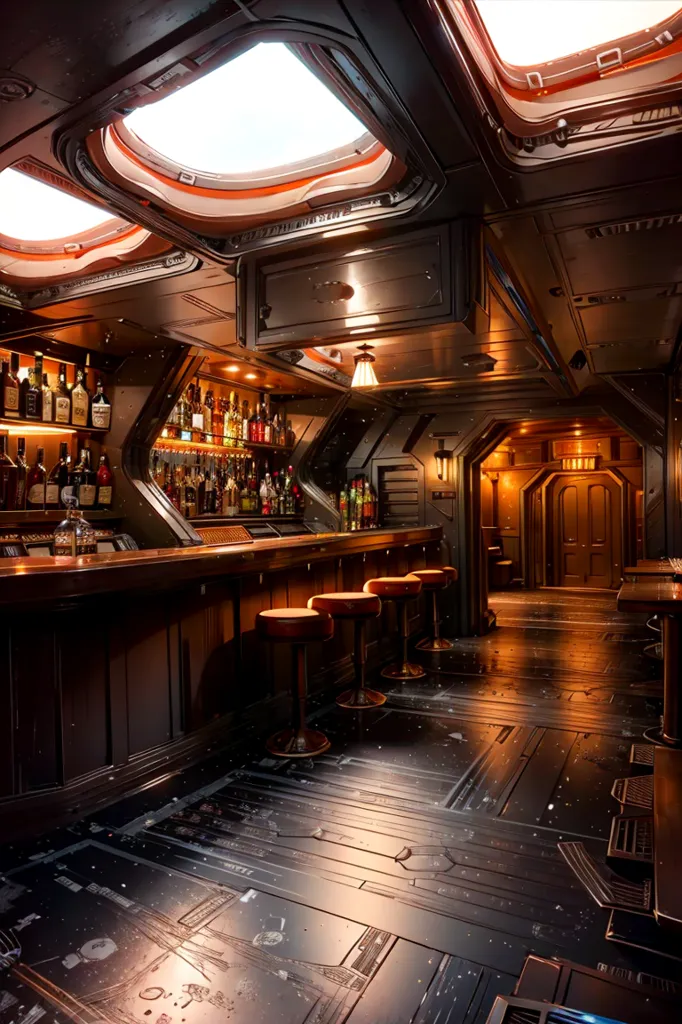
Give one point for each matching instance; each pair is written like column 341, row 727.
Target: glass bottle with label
column 33, row 402
column 58, row 479
column 47, row 401
column 208, row 415
column 10, row 388
column 74, row 536
column 36, row 481
column 22, row 474
column 80, row 401
column 105, row 483
column 62, row 398
column 8, row 478
column 197, row 411
column 100, row 408
column 245, row 420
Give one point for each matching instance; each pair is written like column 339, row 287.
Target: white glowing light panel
column 32, row 211
column 528, row 32
column 264, row 109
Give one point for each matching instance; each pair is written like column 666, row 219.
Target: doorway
column 561, row 505
column 585, row 526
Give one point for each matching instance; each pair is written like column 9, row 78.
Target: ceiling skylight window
column 531, row 32
column 261, row 110
column 32, row 211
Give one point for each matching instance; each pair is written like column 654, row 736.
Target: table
column 662, row 597
column 654, row 567
column 667, row 837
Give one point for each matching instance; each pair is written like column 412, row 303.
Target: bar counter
column 118, row 668
column 51, row 580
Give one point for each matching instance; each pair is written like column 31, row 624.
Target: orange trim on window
column 46, row 256
column 250, row 193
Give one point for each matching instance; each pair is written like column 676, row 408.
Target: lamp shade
column 364, row 375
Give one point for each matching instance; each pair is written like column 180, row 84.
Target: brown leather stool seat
column 358, row 607
column 450, row 572
column 297, row 626
column 400, row 589
column 433, row 581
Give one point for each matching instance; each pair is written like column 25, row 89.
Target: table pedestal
column 670, row 735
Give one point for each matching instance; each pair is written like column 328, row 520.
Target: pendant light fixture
column 364, row 375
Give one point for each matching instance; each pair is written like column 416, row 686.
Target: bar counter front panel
column 117, row 666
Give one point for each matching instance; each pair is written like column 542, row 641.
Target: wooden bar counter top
column 53, row 579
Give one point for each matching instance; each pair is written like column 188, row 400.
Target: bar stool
column 400, row 589
column 298, row 627
column 433, row 581
column 359, row 608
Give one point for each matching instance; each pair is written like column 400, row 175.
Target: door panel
column 587, row 530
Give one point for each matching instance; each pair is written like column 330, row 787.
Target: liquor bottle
column 82, row 480
column 74, row 536
column 10, row 388
column 197, row 411
column 80, row 401
column 8, row 478
column 218, row 418
column 47, row 400
column 245, row 420
column 343, row 507
column 267, row 420
column 100, row 408
column 62, row 398
column 33, row 398
column 105, row 483
column 35, row 482
column 57, row 478
column 187, row 403
column 22, row 474
column 290, row 497
column 208, row 415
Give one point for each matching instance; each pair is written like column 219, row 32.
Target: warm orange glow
column 232, row 368
column 250, row 376
column 21, row 431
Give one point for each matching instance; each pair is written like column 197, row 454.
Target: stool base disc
column 656, row 736
column 654, row 651
column 403, row 670
column 359, row 699
column 304, row 743
column 440, row 644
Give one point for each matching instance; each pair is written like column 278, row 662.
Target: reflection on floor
column 402, row 877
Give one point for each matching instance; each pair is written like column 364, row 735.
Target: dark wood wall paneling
column 108, row 683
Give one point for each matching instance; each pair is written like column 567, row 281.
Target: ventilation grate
column 399, row 495
column 637, row 791
column 632, row 839
column 627, row 227
column 642, row 754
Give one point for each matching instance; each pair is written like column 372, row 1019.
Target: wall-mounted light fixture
column 364, row 375
column 443, row 457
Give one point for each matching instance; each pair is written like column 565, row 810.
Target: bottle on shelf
column 80, row 401
column 32, row 391
column 186, row 408
column 8, row 478
column 267, row 420
column 105, row 483
column 47, row 401
column 245, row 420
column 10, row 388
column 62, row 398
column 82, row 481
column 197, row 411
column 100, row 408
column 208, row 415
column 58, row 478
column 36, row 482
column 22, row 475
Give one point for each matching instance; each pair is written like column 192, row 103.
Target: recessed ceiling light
column 232, row 368
column 250, row 376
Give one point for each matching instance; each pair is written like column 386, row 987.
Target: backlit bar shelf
column 184, row 443
column 38, row 427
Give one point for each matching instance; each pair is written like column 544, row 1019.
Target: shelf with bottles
column 225, row 484
column 358, row 505
column 35, row 391
column 193, row 441
column 210, row 413
column 38, row 478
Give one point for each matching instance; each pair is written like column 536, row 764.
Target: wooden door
column 587, row 529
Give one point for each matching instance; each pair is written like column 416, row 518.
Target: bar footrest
column 642, row 755
column 606, row 888
column 637, row 791
column 632, row 839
